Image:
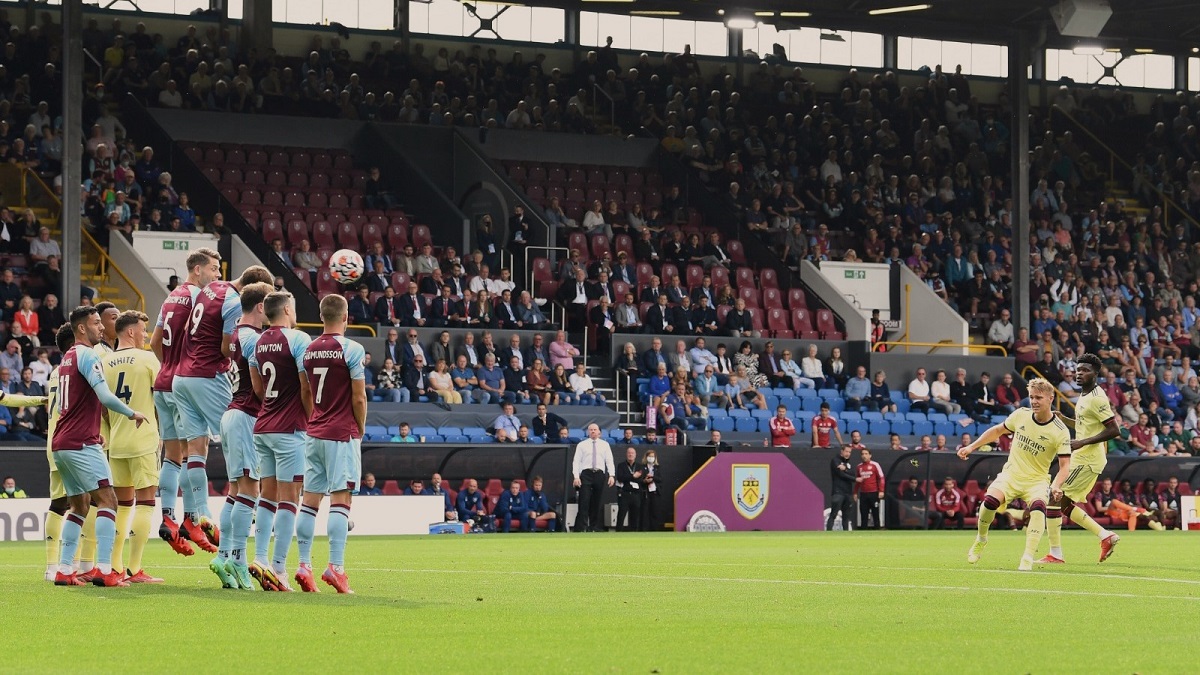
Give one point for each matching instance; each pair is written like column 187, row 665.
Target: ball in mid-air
column 346, row 266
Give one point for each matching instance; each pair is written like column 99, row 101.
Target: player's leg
column 345, row 458
column 242, row 467
column 1054, row 514
column 173, row 458
column 987, row 513
column 72, row 529
column 264, row 515
column 1035, row 529
column 54, row 523
column 289, row 468
column 86, row 553
column 201, row 404
column 316, row 484
column 124, row 523
column 143, row 521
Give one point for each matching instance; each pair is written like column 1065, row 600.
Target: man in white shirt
column 918, row 392
column 1001, row 331
column 593, row 469
column 701, row 357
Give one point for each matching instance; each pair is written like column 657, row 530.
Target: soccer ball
column 346, row 267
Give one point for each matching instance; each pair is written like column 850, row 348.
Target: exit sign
column 855, row 274
column 175, row 245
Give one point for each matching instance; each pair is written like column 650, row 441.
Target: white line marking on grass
column 964, row 569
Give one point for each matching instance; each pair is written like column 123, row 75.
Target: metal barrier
column 1059, row 397
column 934, row 346
column 370, row 330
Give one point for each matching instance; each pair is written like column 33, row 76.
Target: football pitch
column 635, row 603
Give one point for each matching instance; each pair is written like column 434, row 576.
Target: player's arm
column 156, row 342
column 1064, row 468
column 231, row 313
column 993, row 434
column 1069, row 421
column 299, row 342
column 838, row 432
column 89, row 365
column 21, row 401
column 1109, row 432
column 306, row 395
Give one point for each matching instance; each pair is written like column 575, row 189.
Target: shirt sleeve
column 247, row 341
column 89, row 366
column 355, row 355
column 231, row 312
column 299, row 342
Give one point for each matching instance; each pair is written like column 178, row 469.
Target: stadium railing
column 1115, row 158
column 1059, row 397
column 891, row 345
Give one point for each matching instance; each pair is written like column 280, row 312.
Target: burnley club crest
column 751, row 484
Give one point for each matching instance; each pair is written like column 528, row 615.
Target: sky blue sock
column 168, row 487
column 338, row 527
column 106, row 535
column 264, row 522
column 306, row 526
column 239, row 527
column 285, row 528
column 226, row 524
column 197, row 478
column 72, row 528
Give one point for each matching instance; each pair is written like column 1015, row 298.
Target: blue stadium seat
column 394, row 430
column 916, row 417
column 849, row 416
column 772, row 402
column 717, row 413
column 836, row 405
column 790, row 402
column 375, row 430
column 536, row 440
column 739, row 412
column 473, row 431
column 922, row 428
column 936, row 417
column 896, row 395
column 804, row 425
column 893, row 416
column 904, row 428
column 747, row 424
column 434, row 438
column 879, row 428
column 457, row 438
column 781, row 391
column 450, row 431
column 857, row 425
column 947, row 429
column 722, row 424
column 811, row 404
column 828, row 394
column 903, row 406
column 377, row 438
column 957, row 416
column 807, row 393
column 482, row 439
column 760, row 414
column 872, row 416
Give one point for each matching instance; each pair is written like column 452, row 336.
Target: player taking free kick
column 1038, row 436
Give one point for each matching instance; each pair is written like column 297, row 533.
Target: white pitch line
column 748, row 580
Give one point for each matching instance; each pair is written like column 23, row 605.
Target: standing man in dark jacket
column 629, row 500
column 841, row 498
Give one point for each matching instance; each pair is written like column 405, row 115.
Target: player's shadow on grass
column 360, row 599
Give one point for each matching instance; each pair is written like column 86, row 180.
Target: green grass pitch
column 636, row 603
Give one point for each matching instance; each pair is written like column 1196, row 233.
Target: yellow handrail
column 353, row 326
column 939, row 345
column 1058, row 395
column 1113, row 156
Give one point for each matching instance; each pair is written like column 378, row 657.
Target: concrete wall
column 927, row 318
column 530, row 146
column 139, row 273
column 858, row 327
column 213, row 127
column 901, row 368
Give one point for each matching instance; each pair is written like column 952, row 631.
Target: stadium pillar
column 257, row 32
column 70, row 220
column 1018, row 77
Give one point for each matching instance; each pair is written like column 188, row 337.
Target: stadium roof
column 1162, row 25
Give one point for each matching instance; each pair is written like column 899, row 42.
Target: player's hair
column 1044, row 386
column 275, row 303
column 129, row 318
column 200, row 257
column 253, row 294
column 81, row 314
column 102, row 307
column 1092, row 360
column 333, row 309
column 535, row 479
column 64, row 338
column 255, row 274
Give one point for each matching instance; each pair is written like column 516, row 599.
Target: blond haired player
column 1095, row 424
column 1038, row 436
column 64, row 339
column 130, row 372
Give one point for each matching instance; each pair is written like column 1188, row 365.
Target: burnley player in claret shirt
column 335, row 371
